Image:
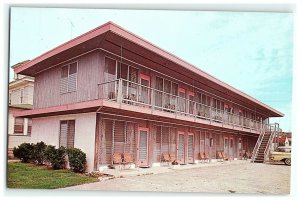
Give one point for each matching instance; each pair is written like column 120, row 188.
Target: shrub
column 39, row 152
column 55, row 156
column 77, row 159
column 24, row 152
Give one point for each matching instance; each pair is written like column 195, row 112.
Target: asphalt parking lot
column 241, row 177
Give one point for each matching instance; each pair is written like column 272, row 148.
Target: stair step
column 258, row 161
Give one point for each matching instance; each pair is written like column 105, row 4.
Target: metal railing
column 124, row 91
column 274, row 130
column 258, row 143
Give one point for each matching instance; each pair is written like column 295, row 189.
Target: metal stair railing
column 273, row 132
column 258, row 143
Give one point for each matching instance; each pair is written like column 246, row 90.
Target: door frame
column 193, row 149
column 177, row 147
column 139, row 162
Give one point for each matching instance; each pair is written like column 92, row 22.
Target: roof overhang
column 81, row 107
column 111, row 36
column 20, row 82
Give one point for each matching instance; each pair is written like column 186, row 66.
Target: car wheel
column 287, row 161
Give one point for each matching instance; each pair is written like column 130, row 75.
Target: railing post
column 152, row 100
column 119, row 96
column 176, row 105
column 194, row 110
column 223, row 112
column 210, row 114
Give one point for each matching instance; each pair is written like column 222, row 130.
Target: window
column 204, row 99
column 122, row 70
column 29, row 126
column 67, row 133
column 21, row 95
column 68, row 81
column 218, row 104
column 119, row 131
column 9, row 102
column 19, row 125
column 110, row 69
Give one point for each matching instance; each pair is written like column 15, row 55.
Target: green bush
column 24, row 152
column 77, row 159
column 39, row 152
column 55, row 156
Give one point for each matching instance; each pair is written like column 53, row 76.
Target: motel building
column 120, row 98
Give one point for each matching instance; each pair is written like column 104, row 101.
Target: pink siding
column 47, row 83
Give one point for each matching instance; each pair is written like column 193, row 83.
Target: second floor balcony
column 127, row 92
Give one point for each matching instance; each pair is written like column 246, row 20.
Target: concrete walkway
column 121, row 172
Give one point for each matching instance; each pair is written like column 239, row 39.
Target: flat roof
column 31, row 67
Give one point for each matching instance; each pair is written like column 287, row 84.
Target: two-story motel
column 110, row 91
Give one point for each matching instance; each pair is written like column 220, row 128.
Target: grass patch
column 30, row 176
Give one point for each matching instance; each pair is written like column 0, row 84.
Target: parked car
column 282, row 154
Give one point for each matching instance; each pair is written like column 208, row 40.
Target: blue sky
column 249, row 50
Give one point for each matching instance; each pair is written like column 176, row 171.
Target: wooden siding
column 90, row 73
column 47, row 83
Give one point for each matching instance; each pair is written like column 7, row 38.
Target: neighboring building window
column 21, row 95
column 9, row 101
column 67, row 133
column 19, row 125
column 68, row 78
column 29, row 127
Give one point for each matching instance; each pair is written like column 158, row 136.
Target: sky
column 251, row 51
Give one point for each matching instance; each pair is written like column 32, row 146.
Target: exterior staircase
column 260, row 157
column 264, row 142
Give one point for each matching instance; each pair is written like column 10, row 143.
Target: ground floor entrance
column 142, row 147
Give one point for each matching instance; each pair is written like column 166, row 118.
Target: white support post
column 210, row 114
column 119, row 96
column 152, row 100
column 25, row 126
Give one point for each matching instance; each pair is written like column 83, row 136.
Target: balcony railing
column 124, row 91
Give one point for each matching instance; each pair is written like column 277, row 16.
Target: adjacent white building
column 20, row 98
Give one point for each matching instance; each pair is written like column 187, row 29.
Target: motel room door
column 191, row 148
column 180, row 147
column 142, row 147
column 226, row 146
column 231, row 148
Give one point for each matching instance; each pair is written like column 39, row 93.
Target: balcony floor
column 123, row 109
